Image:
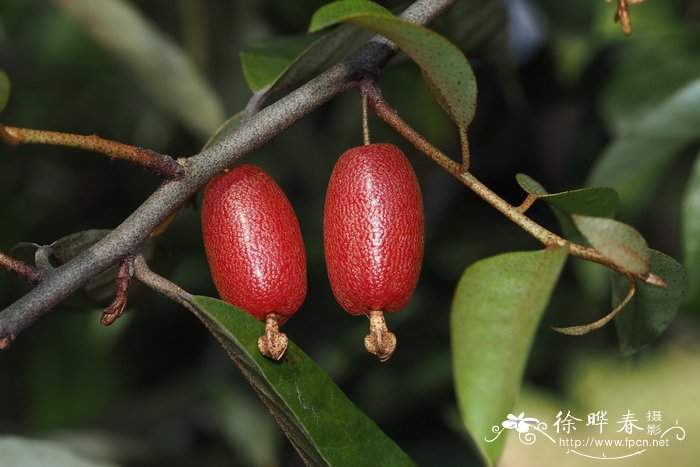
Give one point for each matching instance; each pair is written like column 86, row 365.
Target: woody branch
column 256, row 131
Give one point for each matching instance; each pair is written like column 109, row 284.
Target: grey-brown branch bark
column 128, row 237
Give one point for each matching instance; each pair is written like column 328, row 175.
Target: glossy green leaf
column 4, row 90
column 444, row 66
column 619, row 242
column 634, row 164
column 324, row 426
column 652, row 308
column 497, row 306
column 265, row 62
column 691, row 231
column 157, row 62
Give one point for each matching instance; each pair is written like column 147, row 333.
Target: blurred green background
column 557, row 82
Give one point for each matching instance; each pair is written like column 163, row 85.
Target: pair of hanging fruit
column 373, row 240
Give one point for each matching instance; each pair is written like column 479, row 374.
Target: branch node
column 160, row 164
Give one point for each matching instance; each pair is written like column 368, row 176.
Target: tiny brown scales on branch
column 256, row 131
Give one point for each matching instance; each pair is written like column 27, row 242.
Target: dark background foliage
column 557, row 82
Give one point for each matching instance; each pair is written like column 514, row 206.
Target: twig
column 515, row 214
column 42, row 258
column 365, row 121
column 21, row 269
column 464, row 144
column 527, row 202
column 162, row 285
column 256, row 102
column 253, row 133
column 160, row 164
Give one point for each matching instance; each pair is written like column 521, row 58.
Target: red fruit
column 254, row 245
column 373, row 232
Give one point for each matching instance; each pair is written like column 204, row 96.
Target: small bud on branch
column 124, row 275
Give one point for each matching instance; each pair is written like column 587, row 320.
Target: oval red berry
column 253, row 243
column 373, row 229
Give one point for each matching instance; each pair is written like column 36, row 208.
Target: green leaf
column 496, row 309
column 265, row 62
column 324, row 426
column 594, row 201
column 598, row 201
column 279, row 67
column 691, row 231
column 444, row 66
column 157, row 62
column 652, row 308
column 4, row 89
column 530, row 185
column 620, row 243
column 630, row 92
column 634, row 163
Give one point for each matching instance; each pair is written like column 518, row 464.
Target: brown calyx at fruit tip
column 379, row 341
column 273, row 343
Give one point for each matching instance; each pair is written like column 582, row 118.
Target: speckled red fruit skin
column 253, row 243
column 373, row 229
